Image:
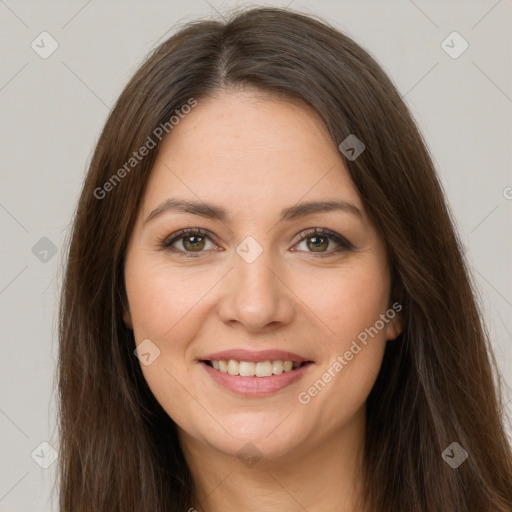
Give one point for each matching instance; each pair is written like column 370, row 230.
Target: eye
column 192, row 241
column 318, row 239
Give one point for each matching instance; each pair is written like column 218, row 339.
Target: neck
column 314, row 478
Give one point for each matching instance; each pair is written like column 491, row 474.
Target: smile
column 255, row 379
column 252, row 369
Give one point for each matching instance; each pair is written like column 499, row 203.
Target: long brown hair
column 438, row 383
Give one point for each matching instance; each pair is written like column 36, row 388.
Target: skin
column 254, row 156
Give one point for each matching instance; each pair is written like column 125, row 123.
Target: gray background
column 52, row 111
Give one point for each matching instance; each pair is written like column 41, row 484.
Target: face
column 292, row 298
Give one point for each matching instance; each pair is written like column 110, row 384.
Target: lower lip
column 256, row 386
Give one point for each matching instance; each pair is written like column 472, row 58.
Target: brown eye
column 188, row 241
column 193, row 242
column 318, row 241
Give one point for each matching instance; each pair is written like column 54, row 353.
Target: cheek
column 163, row 299
column 347, row 301
column 163, row 307
column 338, row 389
column 350, row 305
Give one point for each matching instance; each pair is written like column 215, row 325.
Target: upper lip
column 252, row 356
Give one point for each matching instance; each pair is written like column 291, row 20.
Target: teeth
column 233, row 367
column 246, row 369
column 277, row 367
column 249, row 369
column 263, row 369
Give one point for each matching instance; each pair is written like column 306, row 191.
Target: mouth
column 255, row 374
column 255, row 369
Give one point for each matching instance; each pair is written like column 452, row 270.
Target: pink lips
column 255, row 386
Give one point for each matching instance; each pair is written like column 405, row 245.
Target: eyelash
column 344, row 244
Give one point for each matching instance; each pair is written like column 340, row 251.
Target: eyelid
column 344, row 244
column 170, row 239
column 341, row 240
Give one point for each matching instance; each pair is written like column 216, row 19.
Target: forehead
column 250, row 153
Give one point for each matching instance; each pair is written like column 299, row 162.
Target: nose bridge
column 256, row 296
column 253, row 264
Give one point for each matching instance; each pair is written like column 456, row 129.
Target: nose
column 255, row 294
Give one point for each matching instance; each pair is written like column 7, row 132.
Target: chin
column 254, row 435
column 249, row 449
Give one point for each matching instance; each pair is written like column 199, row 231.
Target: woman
column 265, row 304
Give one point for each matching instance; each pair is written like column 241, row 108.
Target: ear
column 127, row 317
column 395, row 325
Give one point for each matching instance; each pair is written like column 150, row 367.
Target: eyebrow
column 212, row 211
